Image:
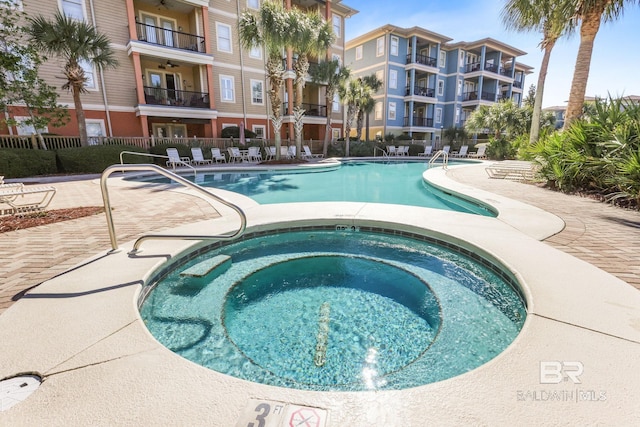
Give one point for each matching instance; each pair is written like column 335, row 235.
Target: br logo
column 554, row 372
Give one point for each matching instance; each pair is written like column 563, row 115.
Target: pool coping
column 107, row 369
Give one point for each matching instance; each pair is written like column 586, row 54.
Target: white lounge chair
column 284, row 152
column 234, row 154
column 391, row 150
column 309, row 155
column 446, row 149
column 510, row 169
column 270, row 152
column 428, row 151
column 217, row 156
column 175, row 159
column 254, row 154
column 403, row 150
column 198, row 158
column 462, row 153
column 479, row 153
column 18, row 198
column 292, row 151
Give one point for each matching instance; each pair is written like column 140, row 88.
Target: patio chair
column 19, row 198
column 428, row 151
column 234, row 154
column 175, row 159
column 270, row 152
column 284, row 152
column 198, row 158
column 402, row 150
column 462, row 153
column 446, row 149
column 391, row 150
column 515, row 170
column 479, row 153
column 292, row 151
column 217, row 156
column 309, row 155
column 254, row 154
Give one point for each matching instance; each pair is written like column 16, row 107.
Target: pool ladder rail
column 155, row 168
column 438, row 154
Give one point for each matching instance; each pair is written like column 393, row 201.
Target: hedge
column 96, row 158
column 20, row 163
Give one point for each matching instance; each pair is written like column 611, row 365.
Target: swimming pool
column 397, row 182
column 337, row 310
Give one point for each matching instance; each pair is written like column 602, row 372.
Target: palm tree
column 590, row 13
column 312, row 36
column 368, row 104
column 353, row 93
column 550, row 17
column 333, row 76
column 75, row 42
column 269, row 27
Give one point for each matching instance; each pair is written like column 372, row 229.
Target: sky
column 615, row 64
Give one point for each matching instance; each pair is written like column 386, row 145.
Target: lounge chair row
column 512, row 169
column 235, row 154
column 18, row 198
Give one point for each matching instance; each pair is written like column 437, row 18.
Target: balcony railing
column 488, row 66
column 176, row 98
column 310, row 110
column 470, row 96
column 506, row 71
column 420, row 91
column 423, row 59
column 170, row 38
column 419, row 122
column 488, row 96
column 474, row 66
column 517, row 84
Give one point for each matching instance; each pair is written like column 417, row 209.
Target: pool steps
column 204, row 268
column 199, row 275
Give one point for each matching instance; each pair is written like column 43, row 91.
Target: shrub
column 234, row 132
column 361, row 149
column 20, row 163
column 96, row 158
column 500, row 149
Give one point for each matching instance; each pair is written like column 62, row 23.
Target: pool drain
column 15, row 390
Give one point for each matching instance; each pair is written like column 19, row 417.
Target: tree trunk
column 300, row 67
column 588, row 31
column 537, row 105
column 82, row 124
column 359, row 123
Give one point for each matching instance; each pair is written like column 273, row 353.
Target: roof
column 490, row 42
column 405, row 32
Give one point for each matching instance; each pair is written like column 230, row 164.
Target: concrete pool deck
column 105, row 369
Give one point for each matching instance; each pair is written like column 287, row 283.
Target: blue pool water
column 355, row 181
column 333, row 310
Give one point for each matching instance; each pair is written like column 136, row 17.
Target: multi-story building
column 429, row 83
column 182, row 71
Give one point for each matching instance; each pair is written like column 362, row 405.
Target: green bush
column 361, row 149
column 501, row 149
column 95, row 158
column 234, row 132
column 20, row 163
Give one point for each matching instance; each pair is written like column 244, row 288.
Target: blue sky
column 615, row 65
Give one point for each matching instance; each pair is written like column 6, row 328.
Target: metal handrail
column 384, row 153
column 155, row 168
column 157, row 155
column 445, row 158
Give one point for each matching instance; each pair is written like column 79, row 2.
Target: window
column 95, row 129
column 393, row 79
column 378, row 111
column 380, row 46
column 337, row 25
column 224, row 37
column 73, row 9
column 335, row 105
column 358, row 52
column 459, row 86
column 392, row 111
column 380, row 75
column 257, row 92
column 89, row 73
column 394, row 46
column 438, row 115
column 24, row 129
column 440, row 87
column 443, row 59
column 227, row 89
column 457, row 115
column 335, row 133
column 461, row 58
column 253, row 4
column 256, row 52
column 259, row 130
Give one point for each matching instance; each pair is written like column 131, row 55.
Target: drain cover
column 15, row 390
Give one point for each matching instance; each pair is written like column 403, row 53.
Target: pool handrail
column 445, row 158
column 155, row 168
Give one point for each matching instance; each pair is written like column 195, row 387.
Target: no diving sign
column 269, row 413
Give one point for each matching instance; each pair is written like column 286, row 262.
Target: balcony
column 420, row 91
column 310, row 110
column 473, row 96
column 419, row 122
column 507, row 72
column 169, row 38
column 488, row 96
column 423, row 59
column 176, row 98
column 517, row 84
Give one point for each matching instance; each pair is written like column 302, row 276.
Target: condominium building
column 430, row 83
column 182, row 71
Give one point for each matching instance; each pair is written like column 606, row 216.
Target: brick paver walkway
column 602, row 235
